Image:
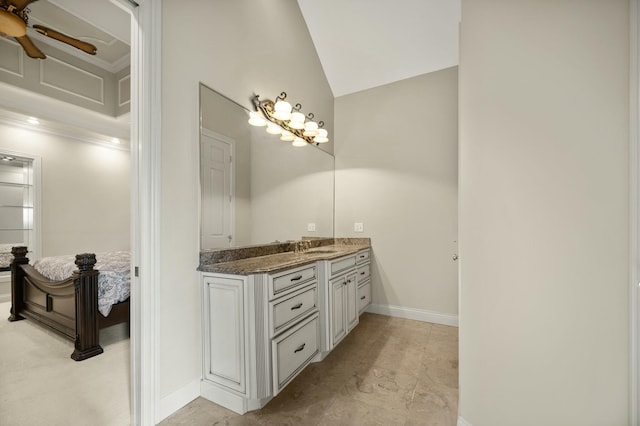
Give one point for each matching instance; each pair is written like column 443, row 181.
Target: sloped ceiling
column 368, row 43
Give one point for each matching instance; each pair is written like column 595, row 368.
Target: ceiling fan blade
column 82, row 45
column 28, row 46
column 19, row 4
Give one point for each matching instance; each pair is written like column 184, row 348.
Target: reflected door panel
column 217, row 190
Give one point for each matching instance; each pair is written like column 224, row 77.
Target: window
column 18, row 202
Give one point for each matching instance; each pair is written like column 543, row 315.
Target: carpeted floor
column 41, row 385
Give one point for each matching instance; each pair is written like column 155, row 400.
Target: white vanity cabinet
column 339, row 278
column 363, row 279
column 259, row 332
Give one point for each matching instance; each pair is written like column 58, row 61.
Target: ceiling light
column 33, row 120
column 288, row 121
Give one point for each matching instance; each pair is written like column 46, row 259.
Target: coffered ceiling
column 98, row 22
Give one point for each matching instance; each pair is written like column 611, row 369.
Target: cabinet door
column 224, row 349
column 337, row 301
column 352, row 301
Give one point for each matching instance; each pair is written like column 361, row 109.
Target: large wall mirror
column 255, row 188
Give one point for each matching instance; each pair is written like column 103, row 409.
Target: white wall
column 85, row 191
column 235, row 47
column 396, row 172
column 544, row 225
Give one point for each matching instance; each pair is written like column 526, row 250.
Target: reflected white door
column 216, row 166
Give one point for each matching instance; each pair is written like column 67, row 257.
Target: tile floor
column 387, row 371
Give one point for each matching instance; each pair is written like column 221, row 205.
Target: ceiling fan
column 13, row 23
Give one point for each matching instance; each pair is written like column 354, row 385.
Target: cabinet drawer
column 364, row 297
column 292, row 278
column 293, row 350
column 287, row 309
column 364, row 272
column 363, row 256
column 342, row 264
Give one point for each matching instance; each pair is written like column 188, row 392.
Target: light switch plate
column 311, row 227
column 358, row 227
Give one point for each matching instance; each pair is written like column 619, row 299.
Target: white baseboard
column 462, row 422
column 178, row 399
column 414, row 314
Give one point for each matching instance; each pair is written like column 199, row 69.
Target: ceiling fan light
column 282, row 110
column 256, row 120
column 287, row 136
column 299, row 142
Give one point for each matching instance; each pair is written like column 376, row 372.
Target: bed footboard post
column 87, row 342
column 17, row 276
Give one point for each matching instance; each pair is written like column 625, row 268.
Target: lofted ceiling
column 368, row 43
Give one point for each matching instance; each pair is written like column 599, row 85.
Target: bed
column 74, row 296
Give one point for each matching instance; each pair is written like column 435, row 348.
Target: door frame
column 634, row 213
column 146, row 127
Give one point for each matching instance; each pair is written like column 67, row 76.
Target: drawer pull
column 296, row 278
column 301, row 347
column 362, row 273
column 363, row 297
column 362, row 256
column 298, row 306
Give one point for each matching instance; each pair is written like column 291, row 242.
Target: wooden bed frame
column 69, row 307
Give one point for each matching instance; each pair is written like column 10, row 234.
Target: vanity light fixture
column 287, row 121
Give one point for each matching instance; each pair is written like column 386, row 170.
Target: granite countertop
column 276, row 262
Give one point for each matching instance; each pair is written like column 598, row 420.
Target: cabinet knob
column 363, row 297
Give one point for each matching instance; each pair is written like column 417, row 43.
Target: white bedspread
column 5, row 255
column 113, row 281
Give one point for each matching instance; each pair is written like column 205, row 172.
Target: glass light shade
column 310, row 128
column 282, row 110
column 322, row 136
column 297, row 120
column 287, row 136
column 299, row 142
column 256, row 120
column 273, row 129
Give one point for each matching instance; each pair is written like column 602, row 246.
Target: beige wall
column 235, row 47
column 544, row 224
column 72, row 171
column 396, row 172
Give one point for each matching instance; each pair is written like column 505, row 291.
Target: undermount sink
column 322, row 251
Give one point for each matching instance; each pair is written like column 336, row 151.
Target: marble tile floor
column 387, row 371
